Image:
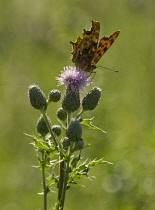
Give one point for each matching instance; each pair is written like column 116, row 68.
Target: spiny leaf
column 75, row 160
column 88, row 123
column 39, row 143
column 97, row 162
column 83, row 168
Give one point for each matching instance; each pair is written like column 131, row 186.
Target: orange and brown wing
column 103, row 46
column 85, row 48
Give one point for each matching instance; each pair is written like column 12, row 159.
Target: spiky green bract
column 56, row 129
column 54, row 96
column 41, row 126
column 62, row 114
column 71, row 100
column 90, row 101
column 74, row 130
column 37, row 97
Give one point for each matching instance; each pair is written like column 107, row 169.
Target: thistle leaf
column 88, row 123
column 38, row 143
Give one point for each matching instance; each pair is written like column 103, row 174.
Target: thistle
column 64, row 140
column 37, row 97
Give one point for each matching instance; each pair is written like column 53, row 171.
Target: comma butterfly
column 88, row 50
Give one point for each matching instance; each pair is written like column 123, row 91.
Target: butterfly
column 88, row 50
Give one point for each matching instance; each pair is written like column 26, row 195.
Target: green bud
column 37, row 97
column 56, row 129
column 71, row 100
column 54, row 96
column 79, row 144
column 74, row 130
column 61, row 114
column 65, row 143
column 41, row 126
column 90, row 101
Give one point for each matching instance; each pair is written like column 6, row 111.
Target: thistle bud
column 61, row 114
column 71, row 100
column 41, row 126
column 79, row 144
column 65, row 143
column 54, row 96
column 90, row 101
column 37, row 97
column 56, row 129
column 74, row 130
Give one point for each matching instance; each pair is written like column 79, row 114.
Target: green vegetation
column 34, row 48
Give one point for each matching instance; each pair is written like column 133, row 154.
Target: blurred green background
column 34, row 48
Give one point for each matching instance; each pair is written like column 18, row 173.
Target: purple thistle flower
column 73, row 77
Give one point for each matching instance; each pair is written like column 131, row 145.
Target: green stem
column 49, row 128
column 68, row 118
column 44, row 181
column 62, row 200
column 62, row 171
column 79, row 114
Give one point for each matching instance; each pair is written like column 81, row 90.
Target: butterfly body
column 88, row 50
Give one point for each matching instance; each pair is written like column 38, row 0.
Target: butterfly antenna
column 108, row 68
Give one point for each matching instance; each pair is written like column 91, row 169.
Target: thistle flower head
column 71, row 100
column 37, row 97
column 56, row 129
column 79, row 144
column 41, row 126
column 66, row 143
column 90, row 101
column 73, row 77
column 74, row 130
column 62, row 114
column 54, row 96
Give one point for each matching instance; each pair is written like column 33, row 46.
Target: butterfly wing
column 85, row 48
column 103, row 46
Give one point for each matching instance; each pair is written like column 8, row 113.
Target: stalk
column 44, row 181
column 49, row 128
column 79, row 114
column 62, row 200
column 62, row 171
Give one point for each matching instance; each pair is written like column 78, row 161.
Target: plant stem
column 44, row 181
column 79, row 114
column 69, row 115
column 49, row 128
column 62, row 169
column 62, row 200
column 64, row 172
